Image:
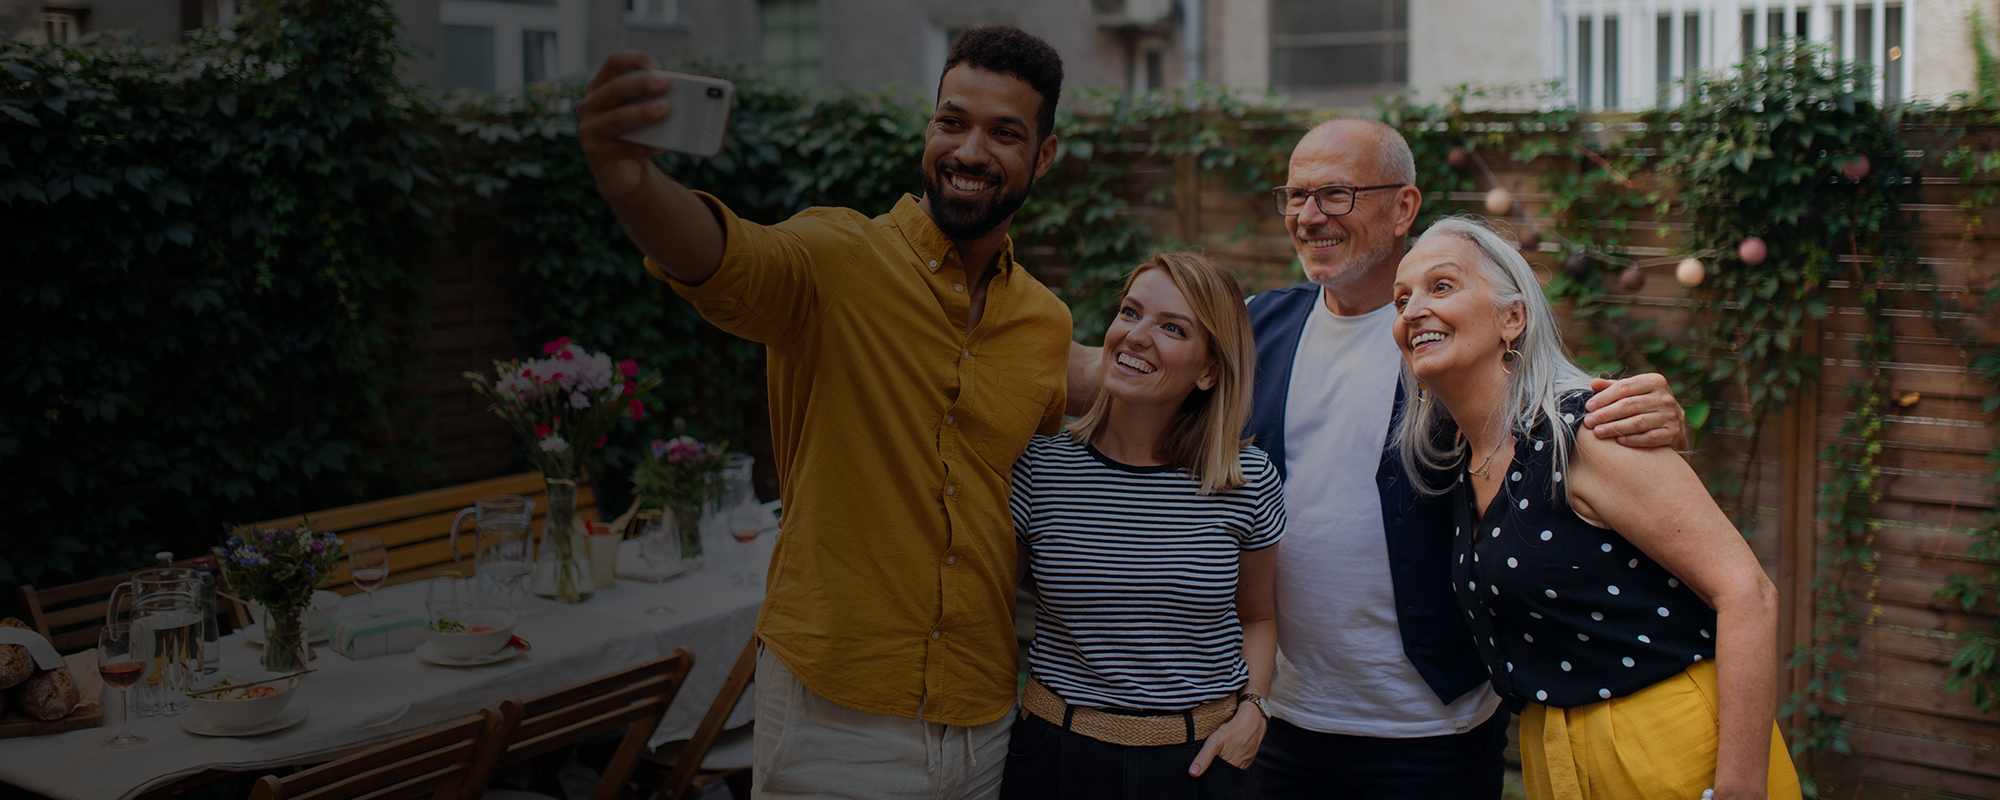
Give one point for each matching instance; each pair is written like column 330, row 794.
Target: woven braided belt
column 1130, row 729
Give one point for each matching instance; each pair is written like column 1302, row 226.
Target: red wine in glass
column 121, row 674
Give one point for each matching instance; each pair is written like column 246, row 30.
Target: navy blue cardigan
column 1435, row 636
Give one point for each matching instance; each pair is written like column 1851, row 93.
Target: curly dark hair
column 1009, row 50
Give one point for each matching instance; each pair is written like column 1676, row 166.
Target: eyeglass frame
column 1280, row 194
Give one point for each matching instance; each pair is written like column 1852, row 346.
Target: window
column 1360, row 46
column 791, row 46
column 467, row 53
column 1664, row 77
column 1591, row 71
column 62, row 26
column 658, row 12
column 538, row 56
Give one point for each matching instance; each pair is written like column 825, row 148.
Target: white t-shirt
column 1341, row 667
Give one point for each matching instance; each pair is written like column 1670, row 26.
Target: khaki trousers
column 808, row 746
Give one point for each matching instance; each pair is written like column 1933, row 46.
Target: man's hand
column 1638, row 411
column 625, row 95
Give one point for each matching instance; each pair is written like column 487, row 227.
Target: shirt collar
column 931, row 245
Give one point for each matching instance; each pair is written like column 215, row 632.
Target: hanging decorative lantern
column 1855, row 168
column 1690, row 272
column 1459, row 158
column 1531, row 240
column 1631, row 280
column 1499, row 202
column 1577, row 264
column 1752, row 251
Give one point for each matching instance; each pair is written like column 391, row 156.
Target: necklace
column 1480, row 471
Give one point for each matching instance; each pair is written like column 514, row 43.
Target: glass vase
column 687, row 527
column 563, row 570
column 284, row 639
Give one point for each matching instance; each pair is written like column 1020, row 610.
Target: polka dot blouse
column 1566, row 613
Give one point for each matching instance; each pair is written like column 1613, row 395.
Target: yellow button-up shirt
column 895, row 431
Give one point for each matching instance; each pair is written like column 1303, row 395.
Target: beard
column 1356, row 266
column 966, row 220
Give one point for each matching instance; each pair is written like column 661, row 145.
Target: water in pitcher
column 167, row 640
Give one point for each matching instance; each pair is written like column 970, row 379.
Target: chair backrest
column 417, row 527
column 70, row 615
column 632, row 699
column 687, row 762
column 442, row 763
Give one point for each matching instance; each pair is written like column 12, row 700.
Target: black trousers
column 1297, row 763
column 1045, row 762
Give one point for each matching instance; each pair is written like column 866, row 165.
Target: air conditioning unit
column 1132, row 13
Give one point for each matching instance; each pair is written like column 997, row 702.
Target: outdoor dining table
column 357, row 702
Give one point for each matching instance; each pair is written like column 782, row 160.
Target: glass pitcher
column 502, row 547
column 167, row 620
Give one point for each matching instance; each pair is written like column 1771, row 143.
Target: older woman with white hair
column 1616, row 607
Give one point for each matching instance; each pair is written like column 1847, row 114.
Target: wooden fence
column 1910, row 736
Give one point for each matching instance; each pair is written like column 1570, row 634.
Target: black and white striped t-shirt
column 1135, row 574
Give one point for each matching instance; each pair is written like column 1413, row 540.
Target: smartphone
column 698, row 118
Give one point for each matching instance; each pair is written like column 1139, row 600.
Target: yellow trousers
column 1657, row 743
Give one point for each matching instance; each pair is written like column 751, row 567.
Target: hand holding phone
column 632, row 110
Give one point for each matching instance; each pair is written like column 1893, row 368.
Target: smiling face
column 1155, row 352
column 981, row 151
column 1337, row 252
column 1446, row 319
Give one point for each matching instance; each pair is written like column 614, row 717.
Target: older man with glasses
column 1379, row 692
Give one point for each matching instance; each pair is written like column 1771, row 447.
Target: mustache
column 968, row 171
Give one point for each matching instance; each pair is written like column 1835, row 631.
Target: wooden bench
column 417, row 527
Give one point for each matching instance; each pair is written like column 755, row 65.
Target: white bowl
column 486, row 631
column 233, row 710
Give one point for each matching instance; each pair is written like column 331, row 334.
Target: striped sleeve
column 1267, row 521
column 1021, row 498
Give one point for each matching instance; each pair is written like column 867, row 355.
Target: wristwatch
column 1257, row 700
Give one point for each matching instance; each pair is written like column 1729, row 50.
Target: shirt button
column 950, row 419
column 933, row 263
column 950, row 490
column 951, row 561
column 936, row 634
column 958, row 287
column 965, row 354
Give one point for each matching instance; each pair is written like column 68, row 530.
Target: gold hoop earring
column 1512, row 356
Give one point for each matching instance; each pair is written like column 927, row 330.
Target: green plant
column 212, row 249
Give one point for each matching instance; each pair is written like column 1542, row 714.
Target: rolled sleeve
column 764, row 288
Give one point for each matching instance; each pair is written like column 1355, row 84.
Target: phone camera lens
column 715, row 92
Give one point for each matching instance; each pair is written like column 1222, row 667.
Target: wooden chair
column 683, row 764
column 417, row 527
column 633, row 700
column 442, row 764
column 70, row 615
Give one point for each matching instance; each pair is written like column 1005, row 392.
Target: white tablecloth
column 357, row 702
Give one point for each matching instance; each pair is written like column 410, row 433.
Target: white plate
column 254, row 635
column 292, row 716
column 430, row 655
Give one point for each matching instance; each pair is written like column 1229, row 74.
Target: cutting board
column 90, row 714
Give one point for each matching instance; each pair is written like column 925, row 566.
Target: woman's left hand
column 1235, row 742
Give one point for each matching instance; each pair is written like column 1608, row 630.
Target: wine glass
column 659, row 547
column 120, row 668
column 747, row 521
column 367, row 565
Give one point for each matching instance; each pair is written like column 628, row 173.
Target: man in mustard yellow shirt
column 910, row 361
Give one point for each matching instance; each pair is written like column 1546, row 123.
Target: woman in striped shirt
column 1148, row 530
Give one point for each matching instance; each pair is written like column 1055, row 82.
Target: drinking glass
column 447, row 597
column 368, row 565
column 120, row 668
column 659, row 547
column 747, row 521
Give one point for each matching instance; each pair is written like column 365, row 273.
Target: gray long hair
column 1541, row 374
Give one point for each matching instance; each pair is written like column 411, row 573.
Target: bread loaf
column 16, row 665
column 50, row 695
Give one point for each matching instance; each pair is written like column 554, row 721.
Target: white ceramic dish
column 428, row 654
column 230, row 711
column 486, row 632
column 283, row 721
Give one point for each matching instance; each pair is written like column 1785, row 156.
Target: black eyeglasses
column 1333, row 200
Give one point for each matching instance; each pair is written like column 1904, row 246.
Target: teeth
column 1319, row 242
column 965, row 184
column 1132, row 361
column 1425, row 338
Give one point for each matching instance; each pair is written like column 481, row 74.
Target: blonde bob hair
column 1206, row 434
